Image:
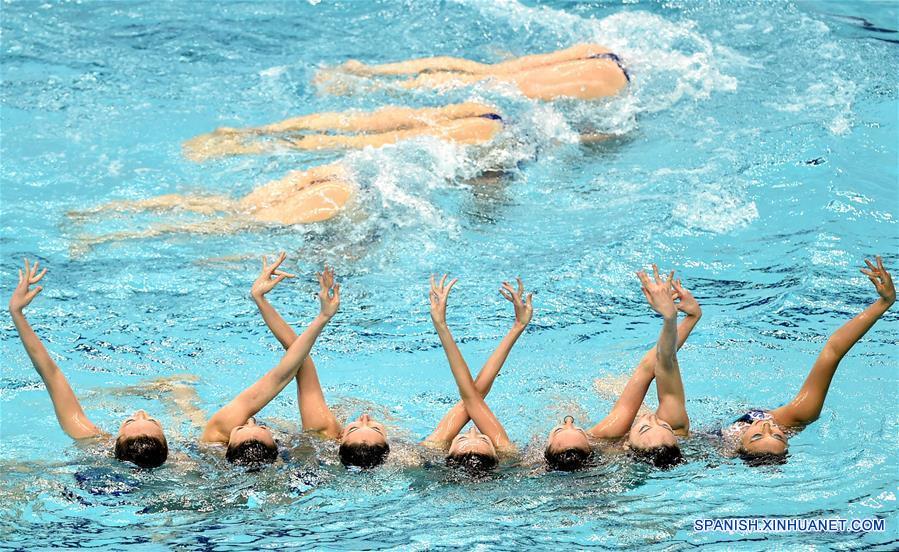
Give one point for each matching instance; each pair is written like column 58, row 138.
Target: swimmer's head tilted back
column 363, row 443
column 141, row 441
column 567, row 448
column 762, row 443
column 472, row 451
column 251, row 445
column 652, row 440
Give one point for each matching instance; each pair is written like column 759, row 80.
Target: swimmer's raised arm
column 621, row 417
column 806, row 406
column 69, row 413
column 672, row 399
column 270, row 277
column 258, row 395
column 314, row 411
column 474, row 402
column 456, row 418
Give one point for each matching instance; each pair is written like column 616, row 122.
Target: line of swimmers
column 583, row 72
column 758, row 436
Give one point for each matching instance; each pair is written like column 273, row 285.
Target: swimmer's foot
column 333, row 82
column 354, row 67
column 221, row 143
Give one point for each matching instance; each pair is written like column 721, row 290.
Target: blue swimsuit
column 616, row 59
column 754, row 416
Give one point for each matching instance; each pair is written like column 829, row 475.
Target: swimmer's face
column 650, row 432
column 251, row 431
column 472, row 441
column 763, row 437
column 140, row 423
column 364, row 430
column 567, row 436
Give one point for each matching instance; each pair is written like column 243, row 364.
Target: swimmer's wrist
column 323, row 317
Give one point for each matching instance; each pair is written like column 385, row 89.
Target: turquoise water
column 757, row 155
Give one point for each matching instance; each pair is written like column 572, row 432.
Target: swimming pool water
column 757, row 155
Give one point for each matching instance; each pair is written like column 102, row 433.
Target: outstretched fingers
column 36, row 279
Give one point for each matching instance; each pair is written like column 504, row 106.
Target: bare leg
column 170, row 202
column 587, row 79
column 227, row 225
column 220, row 143
column 388, row 123
column 578, row 51
column 474, row 130
column 444, row 64
column 415, row 66
column 381, row 120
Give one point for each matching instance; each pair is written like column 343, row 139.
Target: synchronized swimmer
column 759, row 436
column 583, row 72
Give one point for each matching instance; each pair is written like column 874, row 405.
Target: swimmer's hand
column 439, row 293
column 881, row 279
column 265, row 283
column 524, row 309
column 686, row 303
column 329, row 293
column 657, row 291
column 23, row 295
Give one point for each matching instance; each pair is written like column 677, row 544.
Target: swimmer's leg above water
column 445, row 64
column 300, row 197
column 466, row 123
column 457, row 416
column 585, row 72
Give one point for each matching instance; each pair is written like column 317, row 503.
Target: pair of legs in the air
column 363, row 442
column 465, row 123
column 300, row 197
column 583, row 71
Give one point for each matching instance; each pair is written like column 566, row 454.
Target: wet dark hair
column 472, row 462
column 143, row 450
column 251, row 453
column 363, row 455
column 663, row 457
column 763, row 459
column 570, row 459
